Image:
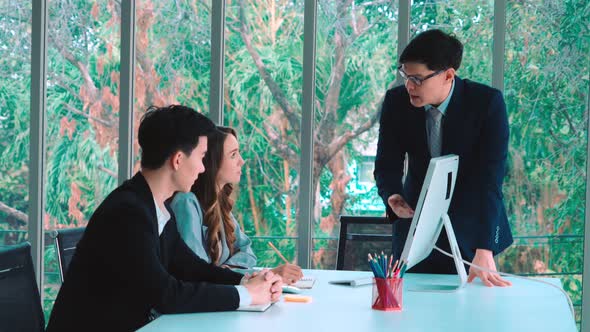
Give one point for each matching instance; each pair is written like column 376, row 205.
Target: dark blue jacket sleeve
column 389, row 161
column 492, row 159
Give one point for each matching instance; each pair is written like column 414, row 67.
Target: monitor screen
column 432, row 206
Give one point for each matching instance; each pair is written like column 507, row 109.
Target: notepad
column 305, row 282
column 254, row 307
column 352, row 282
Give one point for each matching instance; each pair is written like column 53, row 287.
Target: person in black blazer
column 437, row 113
column 131, row 263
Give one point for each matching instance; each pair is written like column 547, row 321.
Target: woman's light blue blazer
column 189, row 220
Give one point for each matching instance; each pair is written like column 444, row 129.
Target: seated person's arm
column 131, row 251
column 189, row 222
column 188, row 266
column 243, row 256
column 290, row 273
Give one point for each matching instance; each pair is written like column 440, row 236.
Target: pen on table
column 278, row 252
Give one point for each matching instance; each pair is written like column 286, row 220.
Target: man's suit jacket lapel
column 418, row 124
column 452, row 120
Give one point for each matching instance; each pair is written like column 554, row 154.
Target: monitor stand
column 458, row 264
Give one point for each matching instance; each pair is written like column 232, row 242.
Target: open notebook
column 305, row 282
column 352, row 282
column 254, row 307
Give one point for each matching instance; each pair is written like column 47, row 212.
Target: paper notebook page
column 352, row 282
column 305, row 282
column 254, row 307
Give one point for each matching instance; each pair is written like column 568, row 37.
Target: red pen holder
column 387, row 294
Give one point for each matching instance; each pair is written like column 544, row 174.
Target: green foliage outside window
column 546, row 92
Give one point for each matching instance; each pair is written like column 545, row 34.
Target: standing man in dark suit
column 131, row 262
column 437, row 113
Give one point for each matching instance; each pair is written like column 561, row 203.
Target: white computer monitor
column 431, row 215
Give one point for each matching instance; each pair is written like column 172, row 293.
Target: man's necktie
column 435, row 132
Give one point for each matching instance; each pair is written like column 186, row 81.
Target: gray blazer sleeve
column 189, row 221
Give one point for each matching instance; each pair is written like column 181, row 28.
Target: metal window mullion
column 403, row 30
column 37, row 136
column 585, row 325
column 498, row 44
column 127, row 86
column 217, row 61
column 305, row 222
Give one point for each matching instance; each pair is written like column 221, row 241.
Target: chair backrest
column 20, row 302
column 65, row 244
column 360, row 236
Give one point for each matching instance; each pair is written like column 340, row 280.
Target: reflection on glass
column 173, row 54
column 82, row 118
column 546, row 92
column 356, row 63
column 263, row 86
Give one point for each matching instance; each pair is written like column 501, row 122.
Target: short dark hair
column 163, row 131
column 435, row 49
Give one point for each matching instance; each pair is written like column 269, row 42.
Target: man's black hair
column 166, row 130
column 435, row 49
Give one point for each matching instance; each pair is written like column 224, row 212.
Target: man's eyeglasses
column 415, row 79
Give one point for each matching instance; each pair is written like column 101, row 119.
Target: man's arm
column 389, row 161
column 132, row 255
column 493, row 154
column 188, row 266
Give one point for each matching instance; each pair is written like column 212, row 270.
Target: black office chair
column 20, row 302
column 360, row 236
column 65, row 245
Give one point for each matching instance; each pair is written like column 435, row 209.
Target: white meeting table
column 526, row 306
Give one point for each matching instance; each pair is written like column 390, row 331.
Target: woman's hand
column 290, row 273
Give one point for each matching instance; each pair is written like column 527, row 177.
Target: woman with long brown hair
column 204, row 218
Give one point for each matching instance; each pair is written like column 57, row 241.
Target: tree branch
column 62, row 83
column 337, row 74
column 275, row 90
column 272, row 137
column 375, row 3
column 563, row 110
column 75, row 111
column 108, row 171
column 92, row 90
column 341, row 141
column 14, row 212
column 280, row 146
column 557, row 140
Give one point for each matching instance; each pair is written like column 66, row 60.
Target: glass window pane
column 263, row 86
column 15, row 80
column 173, row 54
column 82, row 118
column 546, row 94
column 356, row 62
column 471, row 21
